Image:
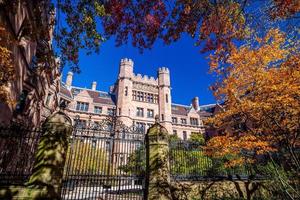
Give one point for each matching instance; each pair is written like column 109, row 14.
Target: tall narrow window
column 142, row 96
column 155, row 99
column 167, row 98
column 174, row 120
column 184, row 135
column 126, row 91
column 162, row 117
column 134, row 95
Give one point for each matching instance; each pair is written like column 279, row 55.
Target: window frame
column 139, row 112
column 98, row 107
column 150, row 113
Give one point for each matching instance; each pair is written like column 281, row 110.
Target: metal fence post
column 157, row 163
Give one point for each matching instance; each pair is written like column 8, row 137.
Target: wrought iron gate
column 105, row 161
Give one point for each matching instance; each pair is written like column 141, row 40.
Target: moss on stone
column 158, row 163
column 46, row 179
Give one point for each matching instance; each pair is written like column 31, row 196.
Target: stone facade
column 136, row 99
column 34, row 90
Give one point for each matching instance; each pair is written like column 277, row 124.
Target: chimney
column 69, row 79
column 195, row 103
column 94, row 85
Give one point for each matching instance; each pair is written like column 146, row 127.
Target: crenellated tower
column 165, row 100
column 124, row 91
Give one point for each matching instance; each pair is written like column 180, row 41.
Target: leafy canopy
column 260, row 89
column 215, row 24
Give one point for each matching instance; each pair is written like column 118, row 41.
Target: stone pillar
column 158, row 172
column 46, row 179
column 51, row 154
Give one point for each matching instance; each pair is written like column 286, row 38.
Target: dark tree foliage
column 215, row 24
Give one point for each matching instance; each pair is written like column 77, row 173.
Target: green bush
column 184, row 162
column 84, row 158
column 197, row 137
column 136, row 163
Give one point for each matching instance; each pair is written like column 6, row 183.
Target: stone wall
column 160, row 187
column 207, row 190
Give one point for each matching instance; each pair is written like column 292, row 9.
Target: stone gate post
column 157, row 165
column 51, row 154
column 46, row 179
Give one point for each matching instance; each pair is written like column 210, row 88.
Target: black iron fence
column 18, row 146
column 105, row 162
column 189, row 161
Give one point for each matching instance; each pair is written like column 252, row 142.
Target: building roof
column 97, row 96
column 102, row 97
column 63, row 90
column 205, row 110
column 180, row 109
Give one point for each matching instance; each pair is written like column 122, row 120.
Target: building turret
column 195, row 103
column 126, row 68
column 165, row 100
column 69, row 79
column 124, row 91
column 94, row 85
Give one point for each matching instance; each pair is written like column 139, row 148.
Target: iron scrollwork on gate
column 105, row 161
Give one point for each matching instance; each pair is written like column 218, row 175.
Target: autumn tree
column 6, row 65
column 260, row 91
column 85, row 25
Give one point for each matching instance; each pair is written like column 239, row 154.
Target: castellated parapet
column 126, row 68
column 163, row 76
column 126, row 61
column 163, row 70
column 145, row 79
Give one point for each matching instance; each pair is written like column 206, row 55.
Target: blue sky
column 188, row 68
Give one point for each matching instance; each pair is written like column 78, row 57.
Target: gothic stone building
column 33, row 92
column 136, row 99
